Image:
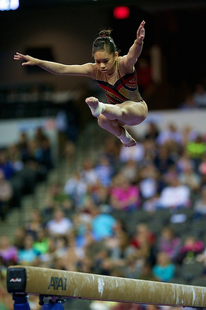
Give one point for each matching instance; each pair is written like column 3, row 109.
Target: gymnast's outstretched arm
column 56, row 68
column 129, row 60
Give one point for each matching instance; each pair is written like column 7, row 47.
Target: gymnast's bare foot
column 95, row 106
column 131, row 143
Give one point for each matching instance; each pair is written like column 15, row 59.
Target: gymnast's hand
column 28, row 60
column 141, row 33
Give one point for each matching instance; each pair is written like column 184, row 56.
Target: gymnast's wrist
column 139, row 43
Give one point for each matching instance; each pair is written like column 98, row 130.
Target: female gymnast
column 115, row 75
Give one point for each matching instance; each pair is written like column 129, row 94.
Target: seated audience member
column 59, row 224
column 148, row 181
column 152, row 131
column 6, row 194
column 101, row 197
column 8, row 252
column 124, row 195
column 118, row 243
column 163, row 160
column 200, row 95
column 164, row 269
column 175, row 195
column 146, row 273
column 6, row 165
column 190, row 249
column 142, row 229
column 188, row 103
column 129, row 170
column 28, row 255
column 151, row 204
column 71, row 257
column 190, row 177
column 23, row 143
column 135, row 153
column 171, row 133
column 76, row 188
column 56, row 197
column 19, row 236
column 169, row 243
column 200, row 205
column 47, row 259
column 104, row 171
column 88, row 173
column 102, row 224
column 196, row 149
column 15, row 157
column 202, row 168
column 35, row 223
column 41, row 242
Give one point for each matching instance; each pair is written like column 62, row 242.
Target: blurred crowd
column 133, row 212
column 22, row 166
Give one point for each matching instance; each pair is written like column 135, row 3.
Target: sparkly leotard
column 124, row 89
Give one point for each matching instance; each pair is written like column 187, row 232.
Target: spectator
column 200, row 95
column 142, row 231
column 190, row 248
column 56, row 197
column 202, row 166
column 190, row 178
column 129, row 170
column 72, row 256
column 101, row 197
column 23, row 143
column 135, row 153
column 151, row 204
column 118, row 243
column 151, row 132
column 148, row 181
column 124, row 196
column 163, row 160
column 164, row 269
column 88, row 173
column 41, row 242
column 19, row 237
column 146, row 273
column 104, row 171
column 188, row 103
column 6, row 165
column 8, row 252
column 196, row 149
column 102, row 224
column 47, row 259
column 28, row 255
column 76, row 188
column 35, row 224
column 169, row 243
column 170, row 134
column 200, row 205
column 15, row 157
column 175, row 195
column 6, row 194
column 59, row 224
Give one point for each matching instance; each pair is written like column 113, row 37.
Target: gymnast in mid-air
column 116, row 76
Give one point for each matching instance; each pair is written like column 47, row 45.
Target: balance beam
column 68, row 284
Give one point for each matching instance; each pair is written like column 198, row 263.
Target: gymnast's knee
column 103, row 122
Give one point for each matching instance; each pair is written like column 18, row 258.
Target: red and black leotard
column 124, row 89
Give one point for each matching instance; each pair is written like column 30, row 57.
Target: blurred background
column 57, row 166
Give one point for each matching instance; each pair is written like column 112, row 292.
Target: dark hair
column 104, row 42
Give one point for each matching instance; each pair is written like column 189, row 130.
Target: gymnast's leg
column 113, row 117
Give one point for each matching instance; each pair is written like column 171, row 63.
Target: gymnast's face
column 105, row 62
